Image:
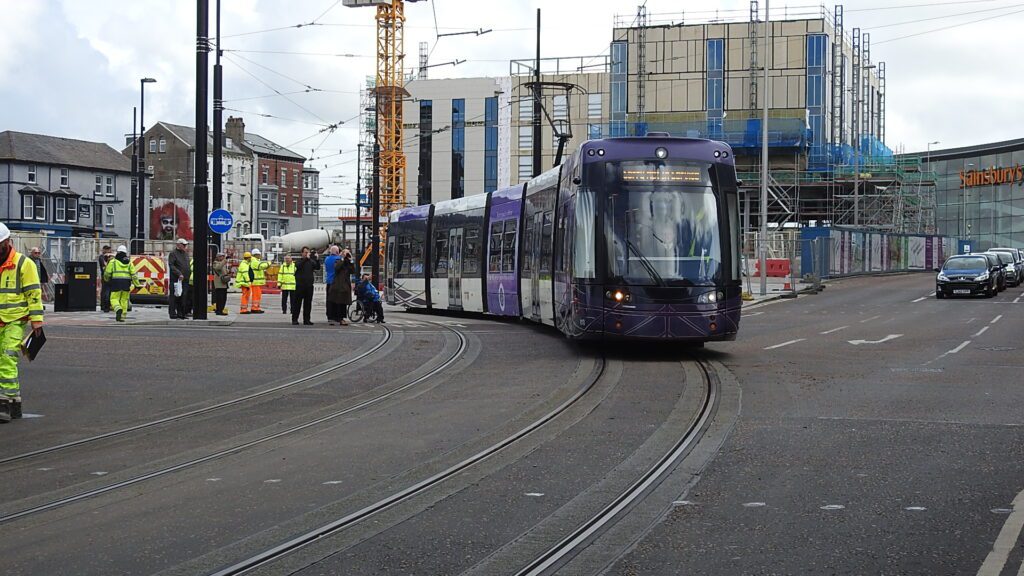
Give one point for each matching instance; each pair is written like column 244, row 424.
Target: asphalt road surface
column 868, row 429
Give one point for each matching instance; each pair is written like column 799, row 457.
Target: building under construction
column 702, row 74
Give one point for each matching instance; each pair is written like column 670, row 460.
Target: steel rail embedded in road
column 198, row 411
column 556, row 556
column 303, row 540
column 463, row 344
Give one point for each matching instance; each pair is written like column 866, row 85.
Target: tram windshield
column 661, row 224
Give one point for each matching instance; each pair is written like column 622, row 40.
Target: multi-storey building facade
column 456, row 138
column 310, row 198
column 277, row 180
column 171, row 166
column 63, row 186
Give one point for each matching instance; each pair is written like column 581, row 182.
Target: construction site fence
column 800, row 259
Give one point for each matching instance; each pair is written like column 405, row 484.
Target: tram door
column 535, row 265
column 455, row 267
column 389, row 271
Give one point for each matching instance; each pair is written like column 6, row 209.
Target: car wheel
column 991, row 290
column 939, row 295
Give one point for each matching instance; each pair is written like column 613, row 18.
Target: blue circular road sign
column 220, row 221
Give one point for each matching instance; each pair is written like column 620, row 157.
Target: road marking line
column 833, row 330
column 979, row 332
column 1004, row 544
column 753, row 504
column 870, row 319
column 1016, row 300
column 785, row 344
column 833, row 507
column 886, row 339
column 534, row 494
column 996, row 319
column 915, row 508
column 919, row 299
column 971, row 320
column 753, row 313
column 962, row 345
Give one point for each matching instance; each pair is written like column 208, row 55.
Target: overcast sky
column 72, row 67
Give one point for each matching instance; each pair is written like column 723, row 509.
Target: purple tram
column 634, row 238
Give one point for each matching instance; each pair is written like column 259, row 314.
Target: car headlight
column 942, row 277
column 711, row 297
column 981, row 277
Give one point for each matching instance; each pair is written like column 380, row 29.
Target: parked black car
column 968, row 275
column 1009, row 269
column 1018, row 263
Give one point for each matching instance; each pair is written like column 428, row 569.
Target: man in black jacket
column 303, row 295
column 178, row 270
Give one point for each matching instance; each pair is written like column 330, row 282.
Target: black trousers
column 105, row 297
column 378, row 309
column 220, row 299
column 286, row 297
column 302, row 297
column 177, row 306
column 332, row 313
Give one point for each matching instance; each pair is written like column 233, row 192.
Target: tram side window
column 545, row 246
column 402, row 255
column 494, row 258
column 528, row 248
column 471, row 251
column 414, row 255
column 440, row 254
column 508, row 249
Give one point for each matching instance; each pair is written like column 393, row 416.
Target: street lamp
column 928, row 152
column 139, row 214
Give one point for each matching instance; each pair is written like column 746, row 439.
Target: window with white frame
column 265, row 230
column 65, row 177
column 561, row 107
column 295, row 206
column 163, row 145
column 40, row 207
column 231, row 174
column 283, row 204
column 60, row 206
column 31, row 173
column 265, row 201
column 152, row 145
column 241, row 175
column 295, row 177
column 307, row 206
column 525, row 168
column 209, row 171
column 284, row 177
column 72, row 211
column 266, row 174
column 99, row 185
column 27, row 211
column 593, row 105
column 525, row 138
column 108, row 216
column 110, row 185
column 526, row 108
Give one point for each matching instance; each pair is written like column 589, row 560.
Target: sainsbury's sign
column 992, row 176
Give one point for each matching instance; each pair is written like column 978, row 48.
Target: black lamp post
column 138, row 239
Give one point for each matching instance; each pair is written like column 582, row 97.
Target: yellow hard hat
column 247, row 255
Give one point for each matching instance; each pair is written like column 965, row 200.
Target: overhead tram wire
column 266, row 115
column 876, row 43
column 261, row 81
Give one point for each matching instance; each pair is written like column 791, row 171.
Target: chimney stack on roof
column 235, row 130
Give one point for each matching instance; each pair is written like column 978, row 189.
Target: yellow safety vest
column 286, row 276
column 242, row 275
column 21, row 295
column 189, row 271
column 259, row 269
column 120, row 276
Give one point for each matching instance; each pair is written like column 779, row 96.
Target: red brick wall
column 291, row 191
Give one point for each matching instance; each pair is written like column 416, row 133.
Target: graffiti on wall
column 170, row 220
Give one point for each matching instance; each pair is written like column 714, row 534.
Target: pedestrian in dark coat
column 305, row 270
column 340, row 292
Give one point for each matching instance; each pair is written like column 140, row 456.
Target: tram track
column 555, row 557
column 388, row 334
column 376, row 399
column 297, row 543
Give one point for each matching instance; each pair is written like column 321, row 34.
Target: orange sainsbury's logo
column 992, row 176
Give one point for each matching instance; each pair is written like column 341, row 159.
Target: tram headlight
column 661, row 153
column 619, row 296
column 711, row 297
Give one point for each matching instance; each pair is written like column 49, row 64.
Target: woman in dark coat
column 340, row 293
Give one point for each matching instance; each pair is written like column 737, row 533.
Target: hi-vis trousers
column 11, row 335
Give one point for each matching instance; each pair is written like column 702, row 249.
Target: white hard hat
column 256, row 252
column 182, row 241
column 5, row 233
column 122, row 248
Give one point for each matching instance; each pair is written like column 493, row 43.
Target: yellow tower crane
column 390, row 93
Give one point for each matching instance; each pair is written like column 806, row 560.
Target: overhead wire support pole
column 136, row 205
column 537, row 104
column 200, row 198
column 218, row 129
column 766, row 90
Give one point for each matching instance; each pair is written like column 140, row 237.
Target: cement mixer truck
column 316, row 239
